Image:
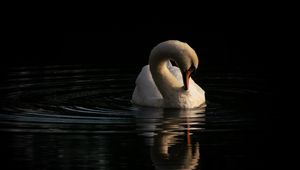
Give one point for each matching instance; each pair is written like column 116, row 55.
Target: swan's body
column 162, row 85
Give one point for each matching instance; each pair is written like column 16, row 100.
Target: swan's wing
column 146, row 92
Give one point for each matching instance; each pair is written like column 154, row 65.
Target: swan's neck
column 165, row 81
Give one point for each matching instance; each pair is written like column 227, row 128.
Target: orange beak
column 186, row 79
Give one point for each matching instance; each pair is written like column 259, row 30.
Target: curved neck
column 165, row 81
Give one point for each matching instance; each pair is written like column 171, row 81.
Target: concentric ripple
column 88, row 99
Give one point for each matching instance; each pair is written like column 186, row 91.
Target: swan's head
column 187, row 62
column 185, row 58
column 181, row 53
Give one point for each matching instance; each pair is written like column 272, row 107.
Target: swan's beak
column 186, row 78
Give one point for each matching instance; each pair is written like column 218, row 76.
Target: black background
column 129, row 44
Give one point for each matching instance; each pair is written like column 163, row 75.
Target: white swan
column 160, row 84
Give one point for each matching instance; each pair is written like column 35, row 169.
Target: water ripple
column 77, row 99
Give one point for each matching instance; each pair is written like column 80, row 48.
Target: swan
column 159, row 84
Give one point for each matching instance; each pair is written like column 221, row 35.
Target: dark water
column 80, row 117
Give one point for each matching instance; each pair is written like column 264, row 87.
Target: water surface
column 79, row 116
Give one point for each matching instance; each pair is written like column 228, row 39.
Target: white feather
column 169, row 92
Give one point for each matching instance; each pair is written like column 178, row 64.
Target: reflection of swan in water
column 171, row 144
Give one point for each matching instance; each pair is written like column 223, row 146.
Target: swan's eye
column 174, row 63
column 192, row 68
